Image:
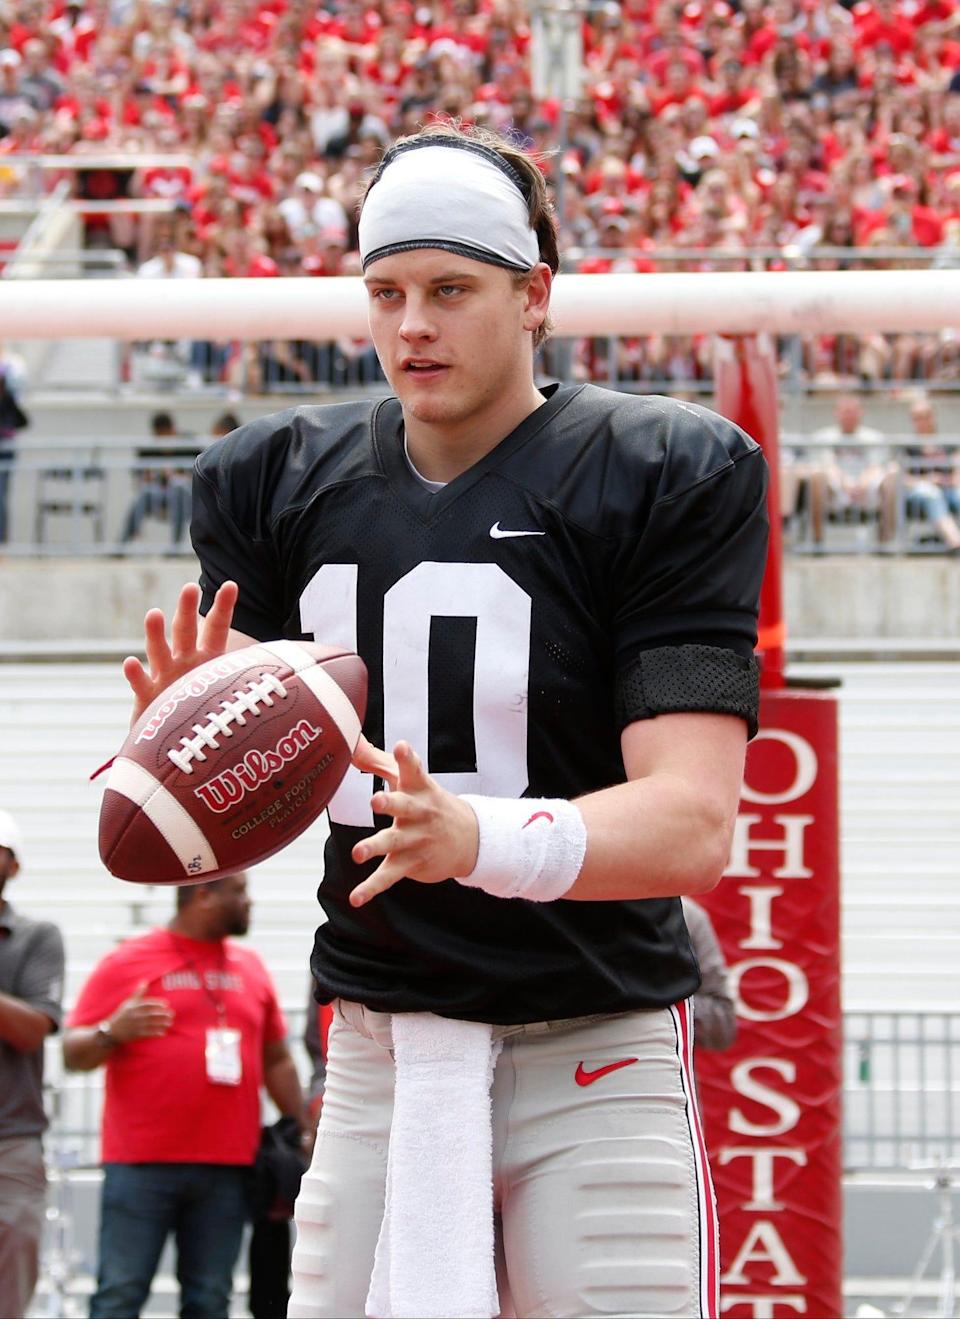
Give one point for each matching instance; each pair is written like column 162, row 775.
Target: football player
column 555, row 592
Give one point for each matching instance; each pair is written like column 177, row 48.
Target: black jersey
column 601, row 564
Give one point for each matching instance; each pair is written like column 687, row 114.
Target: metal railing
column 896, row 516
column 900, row 1113
column 34, row 167
column 65, row 263
column 901, row 1089
column 83, row 498
column 901, row 1093
column 640, row 364
column 789, row 256
column 77, row 498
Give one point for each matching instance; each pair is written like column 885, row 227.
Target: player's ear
column 536, row 305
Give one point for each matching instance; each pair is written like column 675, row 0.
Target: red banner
column 772, row 1102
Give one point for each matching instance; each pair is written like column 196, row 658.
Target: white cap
column 744, row 128
column 704, row 146
column 10, row 836
column 309, row 180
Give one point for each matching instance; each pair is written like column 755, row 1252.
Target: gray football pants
column 601, row 1186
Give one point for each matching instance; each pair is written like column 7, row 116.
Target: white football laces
column 218, row 723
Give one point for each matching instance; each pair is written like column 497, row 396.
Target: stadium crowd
column 715, row 134
column 824, row 134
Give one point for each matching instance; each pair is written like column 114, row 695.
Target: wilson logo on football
column 230, row 786
column 199, row 682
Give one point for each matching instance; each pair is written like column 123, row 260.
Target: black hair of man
column 161, row 423
column 225, row 423
column 186, row 893
column 9, row 865
column 213, row 910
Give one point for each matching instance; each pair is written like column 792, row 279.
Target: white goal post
column 794, row 302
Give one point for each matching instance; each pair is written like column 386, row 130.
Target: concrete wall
column 867, row 597
column 852, row 597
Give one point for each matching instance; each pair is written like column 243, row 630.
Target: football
column 232, row 762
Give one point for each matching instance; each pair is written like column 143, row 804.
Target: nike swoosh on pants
column 583, row 1077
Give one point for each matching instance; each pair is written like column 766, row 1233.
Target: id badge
column 224, row 1064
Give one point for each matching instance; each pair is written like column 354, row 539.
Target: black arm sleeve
column 688, row 591
column 674, row 678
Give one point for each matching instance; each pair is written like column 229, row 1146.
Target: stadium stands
column 233, row 140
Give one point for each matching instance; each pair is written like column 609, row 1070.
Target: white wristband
column 530, row 848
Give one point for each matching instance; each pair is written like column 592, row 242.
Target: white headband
column 447, row 193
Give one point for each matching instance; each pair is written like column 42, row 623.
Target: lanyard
column 218, row 1003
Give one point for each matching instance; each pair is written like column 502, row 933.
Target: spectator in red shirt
column 944, row 142
column 246, row 257
column 324, row 251
column 679, row 86
column 883, row 25
column 247, row 174
column 674, row 47
column 262, row 92
column 907, row 221
column 189, row 1029
column 732, row 90
column 28, row 21
column 783, row 19
column 23, row 134
column 615, row 233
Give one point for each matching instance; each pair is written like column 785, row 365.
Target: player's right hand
column 373, row 760
column 192, row 641
column 140, row 1018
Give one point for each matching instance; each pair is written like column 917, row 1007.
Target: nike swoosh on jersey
column 497, row 532
column 583, row 1077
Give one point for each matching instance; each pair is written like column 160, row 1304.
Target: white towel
column 435, row 1251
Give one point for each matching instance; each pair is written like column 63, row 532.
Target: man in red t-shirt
column 188, row 1026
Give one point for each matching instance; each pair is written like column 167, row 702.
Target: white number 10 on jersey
column 483, row 591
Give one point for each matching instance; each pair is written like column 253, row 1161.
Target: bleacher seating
column 705, row 136
column 900, row 833
column 900, row 772
column 900, row 782
column 58, row 723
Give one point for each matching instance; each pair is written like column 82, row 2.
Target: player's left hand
column 434, row 834
column 192, row 641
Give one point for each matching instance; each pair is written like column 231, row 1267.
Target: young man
column 555, row 593
column 31, row 987
column 187, row 1024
